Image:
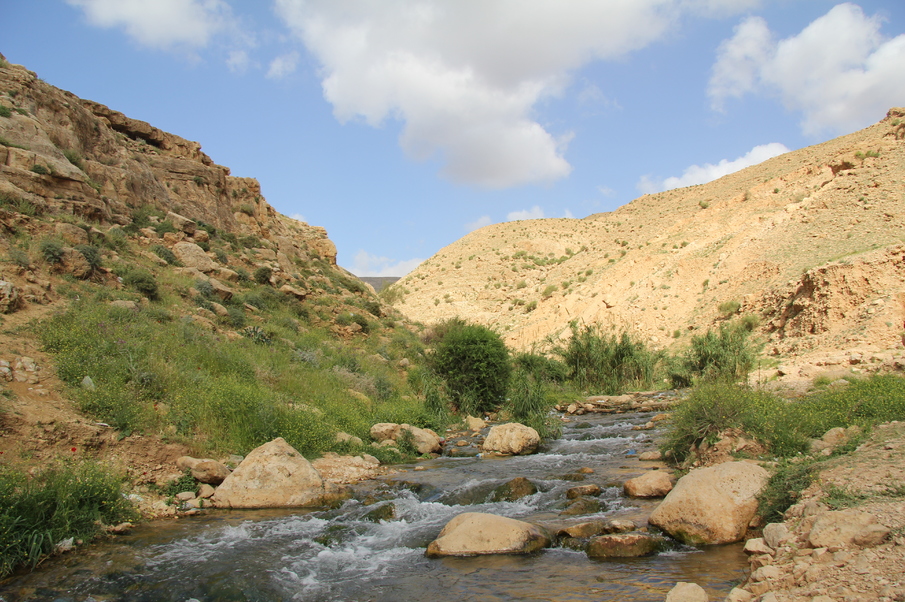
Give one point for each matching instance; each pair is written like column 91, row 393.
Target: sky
column 402, row 125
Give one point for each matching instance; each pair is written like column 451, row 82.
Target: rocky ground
column 861, row 556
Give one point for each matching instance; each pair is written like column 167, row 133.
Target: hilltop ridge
column 809, row 241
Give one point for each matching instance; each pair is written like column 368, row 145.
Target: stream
column 372, row 547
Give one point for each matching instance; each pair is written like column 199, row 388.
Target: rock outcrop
column 712, row 505
column 476, row 533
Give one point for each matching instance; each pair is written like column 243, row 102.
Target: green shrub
column 783, row 489
column 19, row 257
column 40, row 170
column 725, row 355
column 91, row 254
column 75, row 158
column 5, row 111
column 221, row 256
column 62, row 500
column 541, row 368
column 729, row 308
column 528, row 404
column 51, row 251
column 142, row 281
column 164, row 227
column 551, row 288
column 474, row 363
column 262, row 275
column 608, row 364
column 166, row 254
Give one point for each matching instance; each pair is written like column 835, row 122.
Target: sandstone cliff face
column 810, row 241
column 100, row 165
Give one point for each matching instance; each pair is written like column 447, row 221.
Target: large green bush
column 725, row 355
column 474, row 363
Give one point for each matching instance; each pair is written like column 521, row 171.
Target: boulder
column 513, row 490
column 757, row 546
column 582, row 490
column 274, row 475
column 10, row 300
column 210, row 472
column 655, row 483
column 71, row 233
column 846, row 527
column 476, row 533
column 712, row 505
column 687, row 592
column 181, row 223
column 193, row 256
column 775, row 534
column 425, row 441
column 512, row 438
column 474, row 424
column 582, row 505
column 623, row 545
column 596, row 527
column 383, row 431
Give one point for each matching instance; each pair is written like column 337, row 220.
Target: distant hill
column 810, row 242
column 379, row 282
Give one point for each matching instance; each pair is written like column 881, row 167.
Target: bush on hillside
column 474, row 363
column 725, row 355
column 142, row 281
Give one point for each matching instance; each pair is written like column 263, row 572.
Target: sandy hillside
column 810, row 241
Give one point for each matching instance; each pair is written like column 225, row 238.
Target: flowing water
column 349, row 554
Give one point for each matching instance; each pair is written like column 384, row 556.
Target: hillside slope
column 811, row 241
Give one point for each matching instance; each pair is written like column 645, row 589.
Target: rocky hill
column 810, row 241
column 62, row 154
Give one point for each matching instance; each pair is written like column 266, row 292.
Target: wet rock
column 385, row 512
column 622, row 545
column 655, row 483
column 687, row 592
column 512, row 438
column 513, row 490
column 582, row 505
column 476, row 533
column 712, row 505
column 582, row 490
column 274, row 475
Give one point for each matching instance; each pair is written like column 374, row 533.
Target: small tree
column 474, row 363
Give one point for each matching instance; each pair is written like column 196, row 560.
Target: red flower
column 72, row 450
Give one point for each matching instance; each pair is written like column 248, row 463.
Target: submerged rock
column 623, row 545
column 513, row 490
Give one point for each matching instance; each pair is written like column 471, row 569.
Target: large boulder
column 204, row 470
column 655, row 483
column 274, row 475
column 181, row 223
column 512, row 438
column 712, row 505
column 623, row 545
column 425, row 441
column 193, row 256
column 687, row 592
column 476, row 533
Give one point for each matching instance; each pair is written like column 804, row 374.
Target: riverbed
column 372, row 547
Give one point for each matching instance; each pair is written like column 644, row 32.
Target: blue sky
column 400, row 125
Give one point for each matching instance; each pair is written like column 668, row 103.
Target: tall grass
column 529, row 404
column 63, row 500
column 156, row 374
column 725, row 355
column 606, row 363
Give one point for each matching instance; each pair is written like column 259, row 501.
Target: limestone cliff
column 60, row 153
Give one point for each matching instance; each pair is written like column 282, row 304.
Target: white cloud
column 479, row 223
column 283, row 65
column 568, row 214
column 298, row 217
column 238, row 61
column 366, row 264
column 464, row 77
column 606, row 191
column 160, row 23
column 533, row 213
column 701, row 174
column 840, row 72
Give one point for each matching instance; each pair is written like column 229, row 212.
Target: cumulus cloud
column 160, row 24
column 283, row 65
column 238, row 61
column 479, row 223
column 299, row 217
column 841, row 73
column 464, row 77
column 533, row 213
column 701, row 174
column 366, row 264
